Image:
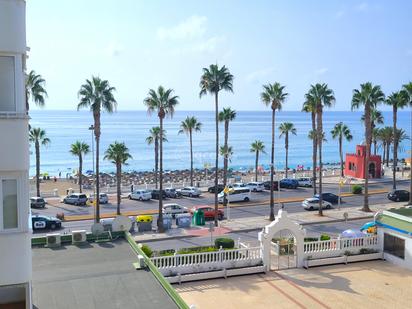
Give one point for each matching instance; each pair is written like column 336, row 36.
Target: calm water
column 131, row 127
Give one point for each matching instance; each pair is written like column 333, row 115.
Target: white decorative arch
column 281, row 222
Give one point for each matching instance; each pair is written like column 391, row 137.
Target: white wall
column 407, row 262
column 13, row 26
column 14, row 150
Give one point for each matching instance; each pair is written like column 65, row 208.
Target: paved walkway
column 376, row 284
column 256, row 223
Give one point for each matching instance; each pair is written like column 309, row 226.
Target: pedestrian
column 282, row 206
column 60, row 174
column 55, row 179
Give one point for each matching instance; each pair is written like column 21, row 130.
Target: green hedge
column 225, row 243
column 147, row 250
column 324, row 237
column 357, row 189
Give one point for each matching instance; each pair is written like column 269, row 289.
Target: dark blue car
column 289, row 183
column 329, row 197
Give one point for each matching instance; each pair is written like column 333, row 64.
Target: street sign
column 211, row 227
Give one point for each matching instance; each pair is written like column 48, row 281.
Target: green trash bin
column 198, row 217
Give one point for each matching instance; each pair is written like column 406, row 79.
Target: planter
column 325, row 261
column 365, row 257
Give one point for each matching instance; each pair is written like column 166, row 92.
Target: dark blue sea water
column 132, row 127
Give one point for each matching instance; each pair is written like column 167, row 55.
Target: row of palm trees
column 97, row 95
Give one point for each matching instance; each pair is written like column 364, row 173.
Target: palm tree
column 153, row 138
column 226, row 152
column 323, row 97
column 97, row 94
column 285, row 129
column 341, row 131
column 397, row 100
column 188, row 126
column 212, row 81
column 226, row 116
column 37, row 136
column 118, row 153
column 310, row 107
column 273, row 95
column 368, row 96
column 385, row 135
column 376, row 118
column 375, row 140
column 80, row 149
column 35, row 88
column 408, row 89
column 257, row 147
column 162, row 102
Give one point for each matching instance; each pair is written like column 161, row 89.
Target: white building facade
column 15, row 232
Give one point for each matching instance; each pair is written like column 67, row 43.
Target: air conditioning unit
column 78, row 237
column 53, row 240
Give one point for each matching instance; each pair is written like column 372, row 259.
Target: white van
column 237, row 195
column 305, row 182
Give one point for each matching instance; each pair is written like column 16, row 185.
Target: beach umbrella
column 368, row 225
column 351, row 234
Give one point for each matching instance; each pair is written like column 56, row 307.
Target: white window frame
column 15, row 83
column 19, row 203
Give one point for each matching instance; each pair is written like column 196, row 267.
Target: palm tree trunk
column 225, row 159
column 119, row 182
column 384, row 153
column 341, row 155
column 37, row 146
column 367, row 156
column 375, row 142
column 216, row 153
column 388, row 149
column 314, row 151
column 410, row 165
column 97, row 135
column 272, row 162
column 256, row 165
column 191, row 158
column 395, row 146
column 320, row 139
column 160, row 228
column 287, row 153
column 80, row 172
column 156, row 161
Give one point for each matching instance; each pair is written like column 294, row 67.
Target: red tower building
column 354, row 164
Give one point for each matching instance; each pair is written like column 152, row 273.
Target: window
column 7, row 87
column 9, row 213
column 394, row 245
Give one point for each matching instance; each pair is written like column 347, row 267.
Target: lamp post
column 91, row 128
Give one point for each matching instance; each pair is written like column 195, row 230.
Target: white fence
column 336, row 247
column 180, row 264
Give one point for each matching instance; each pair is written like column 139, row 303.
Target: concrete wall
column 13, row 26
column 407, row 262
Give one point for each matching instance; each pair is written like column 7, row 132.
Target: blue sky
column 138, row 45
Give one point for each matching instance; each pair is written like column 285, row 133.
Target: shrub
column 309, row 239
column 324, row 237
column 347, row 253
column 147, row 250
column 367, row 251
column 357, row 189
column 196, row 250
column 60, row 216
column 225, row 243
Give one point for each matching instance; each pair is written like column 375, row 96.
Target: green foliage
column 357, row 189
column 225, row 243
column 348, row 253
column 309, row 239
column 324, row 237
column 196, row 250
column 367, row 251
column 147, row 250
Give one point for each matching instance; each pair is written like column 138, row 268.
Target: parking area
column 377, row 284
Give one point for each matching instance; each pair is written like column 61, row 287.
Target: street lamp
column 91, row 128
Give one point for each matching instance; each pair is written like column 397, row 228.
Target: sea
column 64, row 127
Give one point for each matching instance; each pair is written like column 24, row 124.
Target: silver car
column 313, row 204
column 190, row 191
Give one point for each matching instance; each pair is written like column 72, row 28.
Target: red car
column 209, row 212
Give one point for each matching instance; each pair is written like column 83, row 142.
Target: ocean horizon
column 64, row 127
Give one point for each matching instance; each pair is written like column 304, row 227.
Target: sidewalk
column 257, row 223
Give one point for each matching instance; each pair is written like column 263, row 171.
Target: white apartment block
column 15, row 232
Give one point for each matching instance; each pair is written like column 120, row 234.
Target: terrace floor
column 96, row 275
column 376, row 284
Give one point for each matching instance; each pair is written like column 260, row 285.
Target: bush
column 367, row 251
column 324, row 237
column 147, row 250
column 309, row 239
column 347, row 253
column 60, row 216
column 357, row 189
column 196, row 250
column 225, row 243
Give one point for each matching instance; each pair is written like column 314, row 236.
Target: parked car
column 37, row 202
column 172, row 193
column 174, row 209
column 77, row 199
column 305, row 182
column 209, row 212
column 190, row 191
column 104, row 198
column 398, row 196
column 44, row 222
column 329, row 197
column 275, row 184
column 238, row 185
column 312, row 203
column 236, row 195
column 220, row 188
column 141, row 195
column 289, row 183
column 256, row 186
column 156, row 194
